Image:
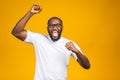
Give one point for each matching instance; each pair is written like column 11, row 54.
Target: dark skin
column 82, row 60
column 19, row 30
column 20, row 33
column 55, row 25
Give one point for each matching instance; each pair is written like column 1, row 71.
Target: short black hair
column 55, row 18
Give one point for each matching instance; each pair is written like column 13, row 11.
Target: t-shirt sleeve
column 29, row 38
column 73, row 54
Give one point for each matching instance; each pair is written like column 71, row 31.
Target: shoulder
column 65, row 39
column 34, row 37
column 34, row 34
column 68, row 40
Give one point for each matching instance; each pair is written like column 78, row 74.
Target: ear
column 62, row 27
column 47, row 27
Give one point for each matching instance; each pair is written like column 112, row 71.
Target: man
column 52, row 51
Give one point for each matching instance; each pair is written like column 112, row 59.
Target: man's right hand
column 35, row 9
column 19, row 31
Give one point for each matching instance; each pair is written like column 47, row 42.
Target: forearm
column 18, row 31
column 22, row 23
column 83, row 61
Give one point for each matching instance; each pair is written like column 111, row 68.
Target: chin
column 55, row 39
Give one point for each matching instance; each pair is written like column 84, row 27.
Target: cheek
column 60, row 29
column 49, row 29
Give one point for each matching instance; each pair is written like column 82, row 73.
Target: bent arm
column 82, row 60
column 19, row 31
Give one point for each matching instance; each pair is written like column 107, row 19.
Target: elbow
column 87, row 66
column 13, row 33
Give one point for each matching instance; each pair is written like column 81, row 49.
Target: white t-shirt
column 52, row 58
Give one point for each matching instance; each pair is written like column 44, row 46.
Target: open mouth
column 55, row 34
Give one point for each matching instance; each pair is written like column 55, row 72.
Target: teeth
column 55, row 33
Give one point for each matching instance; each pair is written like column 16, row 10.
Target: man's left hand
column 70, row 46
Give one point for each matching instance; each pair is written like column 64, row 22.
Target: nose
column 54, row 27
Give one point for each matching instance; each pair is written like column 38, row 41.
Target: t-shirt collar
column 52, row 40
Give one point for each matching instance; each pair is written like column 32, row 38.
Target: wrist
column 30, row 13
column 76, row 51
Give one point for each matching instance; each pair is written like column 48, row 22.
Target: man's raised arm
column 19, row 31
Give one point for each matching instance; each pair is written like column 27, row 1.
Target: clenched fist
column 70, row 46
column 35, row 9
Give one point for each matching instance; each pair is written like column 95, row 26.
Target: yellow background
column 93, row 24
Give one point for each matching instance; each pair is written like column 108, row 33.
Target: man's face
column 55, row 29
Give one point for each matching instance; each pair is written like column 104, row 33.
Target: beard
column 58, row 33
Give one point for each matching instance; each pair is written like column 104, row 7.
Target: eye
column 57, row 25
column 50, row 25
